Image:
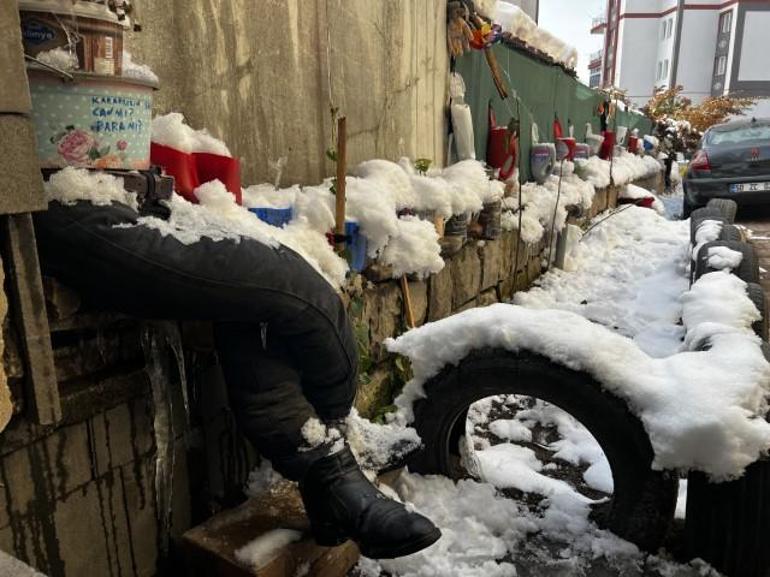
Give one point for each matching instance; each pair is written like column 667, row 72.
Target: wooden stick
column 407, row 303
column 340, row 185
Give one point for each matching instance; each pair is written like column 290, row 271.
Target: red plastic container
column 190, row 170
column 633, row 144
column 502, row 147
column 605, row 152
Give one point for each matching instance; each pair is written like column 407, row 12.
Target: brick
column 418, row 293
column 466, row 275
column 440, row 294
column 20, row 180
column 487, row 298
column 383, row 309
column 492, row 263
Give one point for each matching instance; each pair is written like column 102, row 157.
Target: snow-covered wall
column 260, row 74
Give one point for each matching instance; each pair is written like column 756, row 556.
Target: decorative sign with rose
column 91, row 126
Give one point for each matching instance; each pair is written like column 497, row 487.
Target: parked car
column 732, row 161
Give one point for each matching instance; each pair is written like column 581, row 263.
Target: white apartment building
column 710, row 47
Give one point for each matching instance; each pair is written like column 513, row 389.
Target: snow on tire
column 697, row 218
column 757, row 295
column 728, row 208
column 642, row 506
column 747, row 270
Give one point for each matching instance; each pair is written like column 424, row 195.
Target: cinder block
column 68, row 459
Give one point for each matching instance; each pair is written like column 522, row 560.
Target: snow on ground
column 703, row 408
column 627, row 274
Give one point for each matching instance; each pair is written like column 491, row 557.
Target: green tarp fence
column 543, row 90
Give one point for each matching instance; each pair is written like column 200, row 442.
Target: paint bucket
column 582, row 151
column 542, row 158
column 633, row 144
column 595, row 142
column 273, row 216
column 92, row 121
column 90, row 28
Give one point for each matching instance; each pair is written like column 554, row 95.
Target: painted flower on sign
column 78, row 147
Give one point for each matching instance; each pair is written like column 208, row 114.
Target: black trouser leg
column 266, row 397
column 117, row 264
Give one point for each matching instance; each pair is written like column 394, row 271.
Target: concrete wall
column 263, row 75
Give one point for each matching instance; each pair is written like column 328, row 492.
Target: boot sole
column 402, row 550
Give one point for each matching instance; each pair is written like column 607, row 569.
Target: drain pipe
column 677, row 42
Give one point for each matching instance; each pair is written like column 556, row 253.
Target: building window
column 726, row 22
column 721, row 67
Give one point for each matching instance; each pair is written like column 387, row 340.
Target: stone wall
column 263, row 76
column 480, row 274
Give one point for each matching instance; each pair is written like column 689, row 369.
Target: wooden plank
column 30, row 315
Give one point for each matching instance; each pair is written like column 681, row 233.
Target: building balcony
column 598, row 25
column 595, row 60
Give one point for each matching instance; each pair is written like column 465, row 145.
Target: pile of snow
column 70, row 185
column 268, row 196
column 703, row 410
column 137, row 71
column 514, row 20
column 633, row 192
column 539, row 201
column 628, row 274
column 626, row 167
column 722, row 257
column 60, row 57
column 707, row 231
column 171, row 130
column 487, row 534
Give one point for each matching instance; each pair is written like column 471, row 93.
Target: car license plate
column 750, row 187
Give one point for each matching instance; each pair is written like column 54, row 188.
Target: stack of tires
column 728, row 524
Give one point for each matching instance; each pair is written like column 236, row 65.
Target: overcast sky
column 570, row 20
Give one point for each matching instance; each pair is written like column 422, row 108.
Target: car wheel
column 642, row 505
column 747, row 270
column 728, row 208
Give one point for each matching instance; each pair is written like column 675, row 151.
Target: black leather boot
column 342, row 504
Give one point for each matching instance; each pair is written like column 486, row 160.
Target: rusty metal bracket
column 28, row 305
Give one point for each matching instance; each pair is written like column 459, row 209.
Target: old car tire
column 757, row 295
column 732, row 233
column 728, row 208
column 727, row 524
column 697, row 219
column 747, row 271
column 643, row 502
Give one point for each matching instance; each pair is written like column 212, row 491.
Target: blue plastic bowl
column 356, row 246
column 273, row 216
